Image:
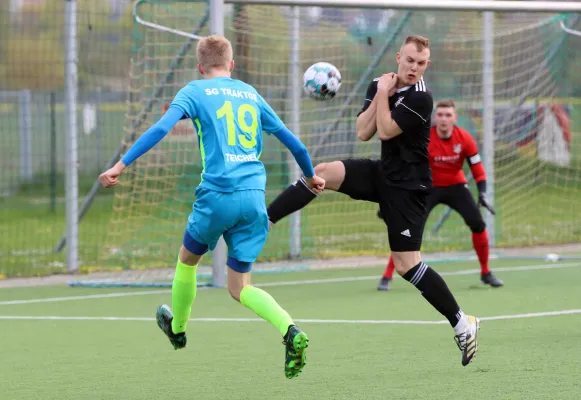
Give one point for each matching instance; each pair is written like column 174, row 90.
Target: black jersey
column 404, row 159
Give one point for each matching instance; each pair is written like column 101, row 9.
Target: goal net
column 537, row 117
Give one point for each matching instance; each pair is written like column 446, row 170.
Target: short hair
column 445, row 103
column 214, row 51
column 421, row 42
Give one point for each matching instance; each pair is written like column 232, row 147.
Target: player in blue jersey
column 229, row 116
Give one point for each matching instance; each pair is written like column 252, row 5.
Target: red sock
column 480, row 242
column 388, row 273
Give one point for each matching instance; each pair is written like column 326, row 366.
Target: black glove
column 482, row 198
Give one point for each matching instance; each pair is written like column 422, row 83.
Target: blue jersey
column 229, row 116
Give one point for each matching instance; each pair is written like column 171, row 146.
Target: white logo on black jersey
column 399, row 100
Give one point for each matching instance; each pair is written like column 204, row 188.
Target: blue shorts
column 240, row 216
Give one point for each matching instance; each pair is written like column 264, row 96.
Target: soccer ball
column 322, row 81
column 552, row 257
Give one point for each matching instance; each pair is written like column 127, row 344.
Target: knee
column 189, row 258
column 477, row 226
column 400, row 267
column 235, row 290
column 333, row 173
column 322, row 170
column 329, row 169
column 404, row 261
column 237, row 280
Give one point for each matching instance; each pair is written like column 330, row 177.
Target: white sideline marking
column 306, row 321
column 87, row 297
column 449, row 273
column 285, row 283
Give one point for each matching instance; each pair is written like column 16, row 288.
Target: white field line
column 450, row 273
column 285, row 283
column 87, row 297
column 304, row 321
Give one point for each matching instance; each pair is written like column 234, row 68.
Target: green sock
column 266, row 307
column 183, row 293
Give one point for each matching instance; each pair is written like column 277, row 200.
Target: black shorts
column 404, row 210
column 458, row 198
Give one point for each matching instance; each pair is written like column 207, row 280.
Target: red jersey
column 447, row 158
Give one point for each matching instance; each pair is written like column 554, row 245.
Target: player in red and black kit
column 449, row 146
column 398, row 109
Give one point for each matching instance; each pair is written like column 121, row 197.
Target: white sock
column 462, row 324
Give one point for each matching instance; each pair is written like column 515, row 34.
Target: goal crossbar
column 442, row 5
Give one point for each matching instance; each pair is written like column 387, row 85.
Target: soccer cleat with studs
column 164, row 317
column 296, row 342
column 384, row 284
column 467, row 341
column 490, row 279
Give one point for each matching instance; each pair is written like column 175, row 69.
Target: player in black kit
column 398, row 107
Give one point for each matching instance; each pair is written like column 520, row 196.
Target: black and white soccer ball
column 321, row 81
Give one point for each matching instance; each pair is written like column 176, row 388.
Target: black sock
column 434, row 289
column 295, row 197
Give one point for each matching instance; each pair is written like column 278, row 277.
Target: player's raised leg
column 298, row 194
column 245, row 242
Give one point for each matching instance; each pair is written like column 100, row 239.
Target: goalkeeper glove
column 482, row 198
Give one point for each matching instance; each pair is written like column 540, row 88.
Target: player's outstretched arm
column 273, row 124
column 301, row 155
column 146, row 142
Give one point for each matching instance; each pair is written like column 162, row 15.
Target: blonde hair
column 214, row 52
column 421, row 42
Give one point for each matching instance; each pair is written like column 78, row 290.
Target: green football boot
column 296, row 342
column 164, row 317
